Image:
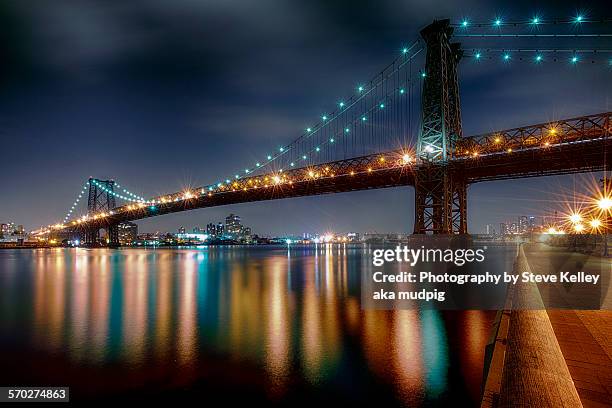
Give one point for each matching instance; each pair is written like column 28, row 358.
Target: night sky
column 161, row 95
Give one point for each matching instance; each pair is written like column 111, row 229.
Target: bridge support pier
column 440, row 200
column 91, row 237
column 112, row 235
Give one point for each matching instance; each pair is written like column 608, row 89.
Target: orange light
column 595, row 223
column 604, row 203
column 575, row 218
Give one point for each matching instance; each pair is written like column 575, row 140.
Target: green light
column 423, row 74
column 464, row 23
column 578, row 19
column 227, row 181
column 360, row 88
column 331, row 140
column 324, row 117
column 309, row 129
column 404, row 50
column 498, row 22
column 292, row 164
column 257, row 164
column 381, row 106
column 574, row 59
column 477, row 55
column 538, row 58
column 535, row 20
column 318, row 149
column 269, row 157
column 304, row 157
column 346, row 130
column 281, row 149
column 363, row 118
column 506, row 57
column 402, row 91
column 246, row 171
column 237, row 176
column 341, row 104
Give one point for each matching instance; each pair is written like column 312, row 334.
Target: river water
column 254, row 324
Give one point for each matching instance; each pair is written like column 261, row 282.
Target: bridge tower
column 441, row 189
column 101, row 198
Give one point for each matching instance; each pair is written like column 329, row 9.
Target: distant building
column 233, row 226
column 490, row 229
column 8, row 229
column 523, row 224
column 532, row 222
column 128, row 232
column 181, row 230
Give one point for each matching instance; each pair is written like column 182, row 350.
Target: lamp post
column 605, row 205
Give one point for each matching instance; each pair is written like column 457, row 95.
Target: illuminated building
column 128, row 232
column 233, row 226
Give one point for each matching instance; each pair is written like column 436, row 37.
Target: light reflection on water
column 293, row 316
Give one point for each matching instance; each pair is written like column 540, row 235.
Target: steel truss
column 543, row 135
column 441, row 193
column 100, row 200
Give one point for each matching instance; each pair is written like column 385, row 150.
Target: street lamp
column 605, row 204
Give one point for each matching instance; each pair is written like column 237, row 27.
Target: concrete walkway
column 584, row 336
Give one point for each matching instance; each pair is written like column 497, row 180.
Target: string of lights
column 326, row 119
column 229, row 185
column 75, row 203
column 129, row 197
column 485, row 35
column 400, row 90
column 536, row 20
column 134, row 196
column 537, row 55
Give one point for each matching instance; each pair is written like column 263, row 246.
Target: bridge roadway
column 390, row 169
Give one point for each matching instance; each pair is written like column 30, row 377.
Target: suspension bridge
column 366, row 142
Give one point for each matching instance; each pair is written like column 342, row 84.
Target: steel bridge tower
column 440, row 190
column 101, row 199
